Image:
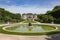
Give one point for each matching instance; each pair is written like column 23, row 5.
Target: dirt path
column 19, row 37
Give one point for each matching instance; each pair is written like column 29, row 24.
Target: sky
column 29, row 6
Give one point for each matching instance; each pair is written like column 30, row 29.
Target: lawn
column 42, row 33
column 29, row 21
column 47, row 28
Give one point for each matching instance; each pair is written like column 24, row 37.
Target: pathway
column 19, row 37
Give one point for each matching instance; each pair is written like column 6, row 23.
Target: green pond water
column 29, row 29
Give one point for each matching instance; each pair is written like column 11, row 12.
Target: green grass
column 47, row 28
column 42, row 33
column 29, row 21
column 11, row 28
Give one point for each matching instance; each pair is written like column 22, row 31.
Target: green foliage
column 56, row 7
column 48, row 11
column 1, row 21
column 45, row 18
column 56, row 14
column 57, row 20
column 8, row 16
column 50, row 16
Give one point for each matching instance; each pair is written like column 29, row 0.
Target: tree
column 8, row 16
column 55, row 13
column 56, row 7
column 45, row 18
column 57, row 20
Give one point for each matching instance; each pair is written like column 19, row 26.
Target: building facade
column 29, row 16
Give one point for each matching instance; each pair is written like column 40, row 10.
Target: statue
column 29, row 24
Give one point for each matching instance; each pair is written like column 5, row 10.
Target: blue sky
column 26, row 6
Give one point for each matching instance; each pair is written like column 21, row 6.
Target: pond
column 30, row 29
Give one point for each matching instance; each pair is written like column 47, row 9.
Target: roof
column 29, row 14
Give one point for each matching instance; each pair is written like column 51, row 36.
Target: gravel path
column 19, row 37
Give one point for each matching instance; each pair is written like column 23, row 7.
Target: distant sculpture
column 29, row 24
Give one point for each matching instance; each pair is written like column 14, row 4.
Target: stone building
column 29, row 16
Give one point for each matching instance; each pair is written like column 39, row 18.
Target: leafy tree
column 57, row 20
column 8, row 16
column 55, row 13
column 45, row 18
column 56, row 7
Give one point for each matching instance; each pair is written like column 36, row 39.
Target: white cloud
column 29, row 9
column 21, row 9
